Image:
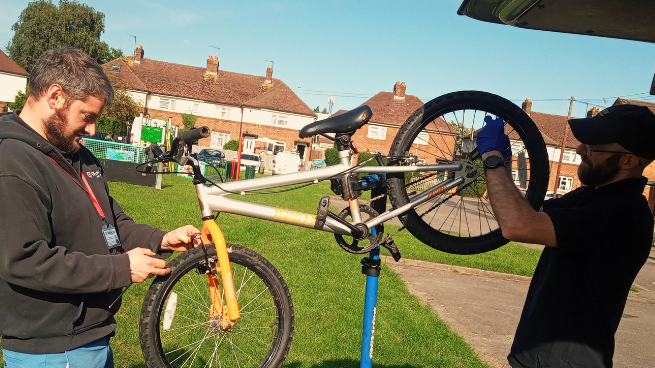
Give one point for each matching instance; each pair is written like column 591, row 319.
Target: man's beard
column 599, row 174
column 55, row 131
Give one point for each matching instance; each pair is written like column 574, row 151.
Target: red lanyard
column 87, row 189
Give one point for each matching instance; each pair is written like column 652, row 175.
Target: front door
column 300, row 147
column 248, row 144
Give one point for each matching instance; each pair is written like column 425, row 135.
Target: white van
column 286, row 162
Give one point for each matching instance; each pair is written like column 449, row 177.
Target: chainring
column 353, row 247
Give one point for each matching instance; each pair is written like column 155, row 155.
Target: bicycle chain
column 388, row 237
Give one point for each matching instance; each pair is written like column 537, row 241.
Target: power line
column 599, row 101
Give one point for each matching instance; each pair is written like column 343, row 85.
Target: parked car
column 211, row 156
column 286, row 162
column 549, row 195
column 250, row 160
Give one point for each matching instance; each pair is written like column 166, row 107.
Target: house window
column 377, row 132
column 196, row 107
column 279, row 120
column 565, row 183
column 515, row 177
column 422, row 138
column 569, row 156
column 167, row 104
column 219, row 139
column 225, row 112
column 516, row 148
column 276, row 147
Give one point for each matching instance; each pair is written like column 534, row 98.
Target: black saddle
column 344, row 123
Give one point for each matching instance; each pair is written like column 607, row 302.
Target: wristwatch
column 493, row 162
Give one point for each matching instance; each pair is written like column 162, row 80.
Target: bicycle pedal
column 322, row 211
column 393, row 249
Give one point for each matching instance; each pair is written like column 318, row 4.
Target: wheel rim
column 466, row 215
column 190, row 340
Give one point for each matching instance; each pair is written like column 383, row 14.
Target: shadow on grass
column 336, row 363
column 345, row 363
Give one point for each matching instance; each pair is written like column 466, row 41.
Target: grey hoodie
column 57, row 276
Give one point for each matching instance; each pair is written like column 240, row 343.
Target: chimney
column 212, row 68
column 527, row 106
column 138, row 55
column 593, row 111
column 212, row 65
column 399, row 91
column 269, row 74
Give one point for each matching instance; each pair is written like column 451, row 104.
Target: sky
column 354, row 49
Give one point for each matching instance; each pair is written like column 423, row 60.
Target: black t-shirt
column 579, row 288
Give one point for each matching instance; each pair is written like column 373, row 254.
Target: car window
column 249, row 157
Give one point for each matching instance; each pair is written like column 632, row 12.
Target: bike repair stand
column 371, row 268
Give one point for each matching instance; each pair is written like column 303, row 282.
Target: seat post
column 343, row 146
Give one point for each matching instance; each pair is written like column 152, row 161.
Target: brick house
column 390, row 110
column 261, row 109
column 13, row 79
column 552, row 130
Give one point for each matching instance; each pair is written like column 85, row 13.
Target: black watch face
column 493, row 162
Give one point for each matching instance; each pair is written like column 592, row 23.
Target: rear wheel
column 461, row 221
column 176, row 330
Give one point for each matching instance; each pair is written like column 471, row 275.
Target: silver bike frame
column 213, row 199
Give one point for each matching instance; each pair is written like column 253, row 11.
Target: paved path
column 484, row 308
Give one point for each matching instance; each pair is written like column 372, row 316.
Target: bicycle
column 232, row 322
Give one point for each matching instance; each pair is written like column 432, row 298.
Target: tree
column 189, row 121
column 324, row 111
column 317, row 109
column 111, row 125
column 462, row 131
column 20, row 99
column 120, row 112
column 232, row 145
column 42, row 26
column 332, row 156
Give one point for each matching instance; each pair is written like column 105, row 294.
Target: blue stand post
column 371, row 268
column 370, row 306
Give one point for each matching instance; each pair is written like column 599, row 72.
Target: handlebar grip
column 194, row 134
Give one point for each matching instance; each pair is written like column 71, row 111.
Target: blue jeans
column 95, row 354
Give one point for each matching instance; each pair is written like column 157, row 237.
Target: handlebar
column 194, row 134
column 180, row 147
column 185, row 139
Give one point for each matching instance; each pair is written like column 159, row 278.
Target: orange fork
column 229, row 313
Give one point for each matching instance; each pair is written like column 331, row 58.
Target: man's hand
column 143, row 266
column 179, row 240
column 492, row 137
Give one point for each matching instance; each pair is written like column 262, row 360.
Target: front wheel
column 461, row 221
column 176, row 330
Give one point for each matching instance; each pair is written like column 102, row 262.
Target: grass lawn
column 326, row 285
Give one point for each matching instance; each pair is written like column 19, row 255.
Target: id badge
column 111, row 236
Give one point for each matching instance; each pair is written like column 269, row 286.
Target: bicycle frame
column 213, row 199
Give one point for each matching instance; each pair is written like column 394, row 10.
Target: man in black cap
column 597, row 238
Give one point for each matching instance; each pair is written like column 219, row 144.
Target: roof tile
column 394, row 111
column 9, row 66
column 188, row 81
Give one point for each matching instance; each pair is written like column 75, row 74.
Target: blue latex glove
column 492, row 137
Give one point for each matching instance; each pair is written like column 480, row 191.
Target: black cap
column 631, row 126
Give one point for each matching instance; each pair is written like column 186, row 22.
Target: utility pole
column 561, row 152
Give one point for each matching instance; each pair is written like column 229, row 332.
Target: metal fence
column 108, row 150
